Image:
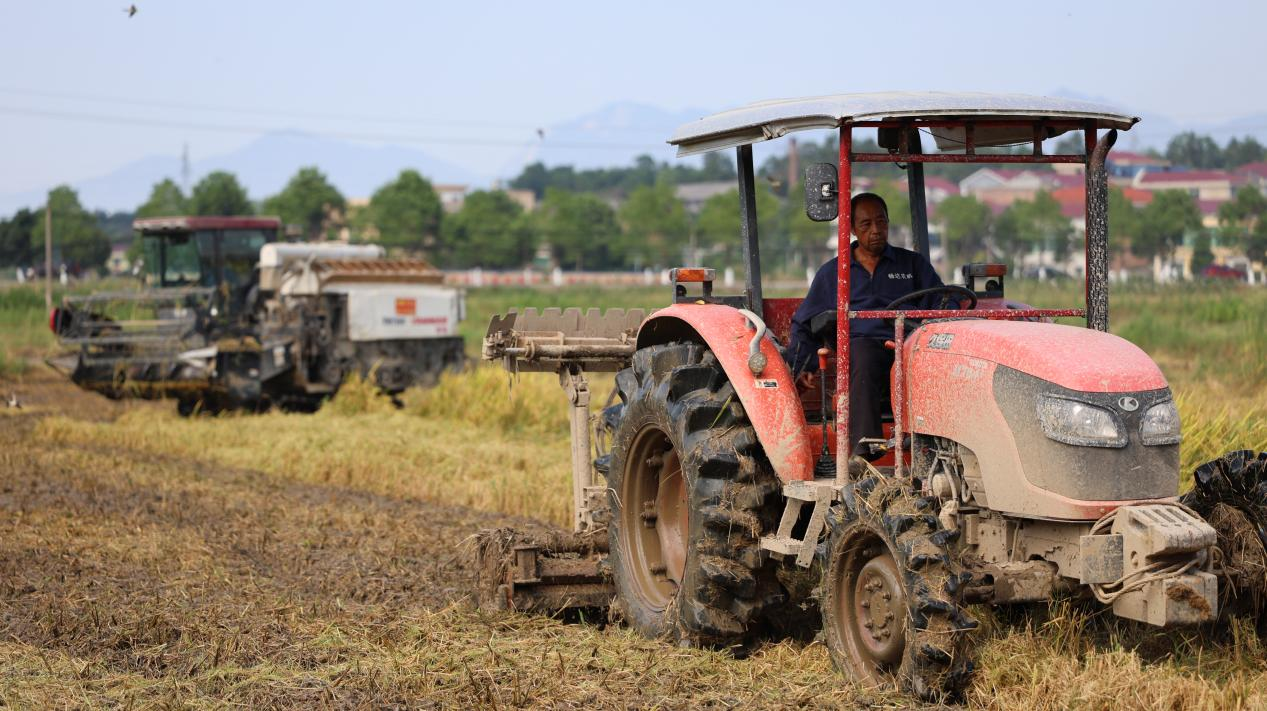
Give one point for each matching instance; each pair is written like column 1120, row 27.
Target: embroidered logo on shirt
column 900, row 275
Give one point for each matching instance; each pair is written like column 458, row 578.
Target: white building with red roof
column 1213, row 185
column 1254, row 174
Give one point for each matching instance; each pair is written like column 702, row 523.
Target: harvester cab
column 219, row 254
column 1024, row 458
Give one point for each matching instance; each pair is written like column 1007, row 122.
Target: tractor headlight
column 1160, row 424
column 1074, row 422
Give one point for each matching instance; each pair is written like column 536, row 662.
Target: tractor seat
column 811, row 400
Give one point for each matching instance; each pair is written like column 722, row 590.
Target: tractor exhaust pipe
column 1098, row 231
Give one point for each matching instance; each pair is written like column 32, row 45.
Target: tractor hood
column 1072, row 357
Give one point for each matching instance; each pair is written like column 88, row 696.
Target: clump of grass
column 358, row 396
column 11, row 366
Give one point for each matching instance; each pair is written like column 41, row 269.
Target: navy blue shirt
column 898, row 273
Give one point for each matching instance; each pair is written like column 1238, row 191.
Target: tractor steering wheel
column 948, row 291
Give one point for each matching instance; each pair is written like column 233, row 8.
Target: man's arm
column 802, row 350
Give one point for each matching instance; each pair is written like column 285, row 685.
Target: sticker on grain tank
column 767, row 383
column 406, row 307
column 941, row 341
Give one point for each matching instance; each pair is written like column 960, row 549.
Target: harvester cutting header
column 232, row 318
column 1020, row 458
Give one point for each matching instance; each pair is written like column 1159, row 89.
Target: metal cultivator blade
column 543, row 574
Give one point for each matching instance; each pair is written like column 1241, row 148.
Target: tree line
column 636, row 220
column 971, row 231
column 631, row 217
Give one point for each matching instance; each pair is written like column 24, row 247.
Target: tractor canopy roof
column 765, row 120
column 190, row 224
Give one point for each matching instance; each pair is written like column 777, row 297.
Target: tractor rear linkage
column 528, row 573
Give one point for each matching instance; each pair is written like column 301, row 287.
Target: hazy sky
column 82, row 83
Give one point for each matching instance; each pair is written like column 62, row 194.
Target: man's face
column 871, row 226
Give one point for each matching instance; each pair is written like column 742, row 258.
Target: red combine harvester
column 1025, row 458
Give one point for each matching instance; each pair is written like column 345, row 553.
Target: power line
column 292, row 114
column 344, row 135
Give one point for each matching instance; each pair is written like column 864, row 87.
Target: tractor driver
column 878, row 274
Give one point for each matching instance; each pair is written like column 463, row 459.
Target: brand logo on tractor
column 941, row 341
column 1128, row 403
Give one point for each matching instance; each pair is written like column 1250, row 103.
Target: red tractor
column 1024, row 458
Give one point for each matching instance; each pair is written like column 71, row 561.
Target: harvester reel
column 892, row 613
column 1230, row 493
column 691, row 494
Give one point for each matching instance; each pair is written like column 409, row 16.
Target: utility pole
column 184, row 169
column 48, row 256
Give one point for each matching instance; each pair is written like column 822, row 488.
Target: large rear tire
column 1230, row 493
column 892, row 613
column 691, row 495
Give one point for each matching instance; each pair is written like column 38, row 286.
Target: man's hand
column 806, row 381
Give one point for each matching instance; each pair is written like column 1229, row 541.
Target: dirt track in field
column 161, row 567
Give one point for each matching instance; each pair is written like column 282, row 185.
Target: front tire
column 891, row 599
column 691, row 494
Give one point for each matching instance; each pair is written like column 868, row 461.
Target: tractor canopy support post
column 1097, row 254
column 748, row 226
column 915, row 189
column 843, row 255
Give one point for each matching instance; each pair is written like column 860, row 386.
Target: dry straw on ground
column 314, row 561
column 148, row 561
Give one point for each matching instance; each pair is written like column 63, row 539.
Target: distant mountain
column 357, row 170
column 611, row 136
column 263, row 166
column 1155, row 130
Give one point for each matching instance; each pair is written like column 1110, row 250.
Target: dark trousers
column 869, row 366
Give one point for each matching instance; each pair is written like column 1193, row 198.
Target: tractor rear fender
column 769, row 398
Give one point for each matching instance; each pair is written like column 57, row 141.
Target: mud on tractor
column 230, row 317
column 1023, row 458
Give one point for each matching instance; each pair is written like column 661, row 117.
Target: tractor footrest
column 782, row 546
column 798, row 493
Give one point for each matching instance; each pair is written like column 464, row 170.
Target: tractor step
column 782, row 546
column 798, row 493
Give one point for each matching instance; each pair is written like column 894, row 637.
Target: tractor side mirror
column 820, row 192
